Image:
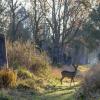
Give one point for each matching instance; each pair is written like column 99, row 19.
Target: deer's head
column 75, row 66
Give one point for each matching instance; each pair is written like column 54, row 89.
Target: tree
column 13, row 7
column 67, row 18
column 92, row 29
column 36, row 19
column 2, row 21
column 23, row 30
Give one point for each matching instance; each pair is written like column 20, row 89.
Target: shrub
column 20, row 54
column 37, row 84
column 40, row 66
column 7, row 78
column 24, row 73
column 90, row 87
column 30, row 84
column 22, row 84
column 25, row 54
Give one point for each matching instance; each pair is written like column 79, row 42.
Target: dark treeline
column 65, row 29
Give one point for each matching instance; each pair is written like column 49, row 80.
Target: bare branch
column 24, row 18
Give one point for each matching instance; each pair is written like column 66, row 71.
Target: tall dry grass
column 8, row 78
column 90, row 87
column 26, row 55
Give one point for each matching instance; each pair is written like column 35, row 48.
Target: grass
column 56, row 93
column 59, row 92
column 53, row 91
column 36, row 78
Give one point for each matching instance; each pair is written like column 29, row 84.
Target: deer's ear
column 77, row 65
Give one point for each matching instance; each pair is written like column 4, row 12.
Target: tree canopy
column 92, row 28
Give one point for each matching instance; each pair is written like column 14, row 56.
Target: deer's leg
column 61, row 79
column 74, row 84
column 71, row 81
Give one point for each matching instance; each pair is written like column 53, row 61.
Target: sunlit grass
column 58, row 92
column 84, row 68
column 52, row 91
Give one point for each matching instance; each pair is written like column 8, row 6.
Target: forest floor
column 61, row 92
column 57, row 92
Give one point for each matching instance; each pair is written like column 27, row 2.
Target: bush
column 90, row 87
column 24, row 73
column 20, row 54
column 40, row 66
column 25, row 54
column 28, row 84
column 25, row 84
column 7, row 78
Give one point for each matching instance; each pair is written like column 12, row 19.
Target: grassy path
column 60, row 92
column 57, row 92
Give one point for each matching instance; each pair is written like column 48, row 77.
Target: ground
column 61, row 92
column 57, row 92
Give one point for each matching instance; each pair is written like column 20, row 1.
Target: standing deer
column 69, row 74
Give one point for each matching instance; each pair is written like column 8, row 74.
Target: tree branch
column 24, row 18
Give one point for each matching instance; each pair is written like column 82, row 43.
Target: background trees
column 16, row 14
column 92, row 28
column 2, row 19
column 36, row 20
column 66, row 20
column 58, row 26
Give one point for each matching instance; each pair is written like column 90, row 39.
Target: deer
column 69, row 74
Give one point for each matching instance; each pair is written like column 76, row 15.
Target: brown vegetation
column 90, row 87
column 8, row 78
column 25, row 55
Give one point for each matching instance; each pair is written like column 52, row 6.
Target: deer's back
column 68, row 74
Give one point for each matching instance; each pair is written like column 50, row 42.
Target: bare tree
column 2, row 20
column 67, row 18
column 37, row 18
column 13, row 7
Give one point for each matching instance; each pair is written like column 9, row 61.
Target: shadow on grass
column 62, row 96
column 60, row 93
column 62, row 88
